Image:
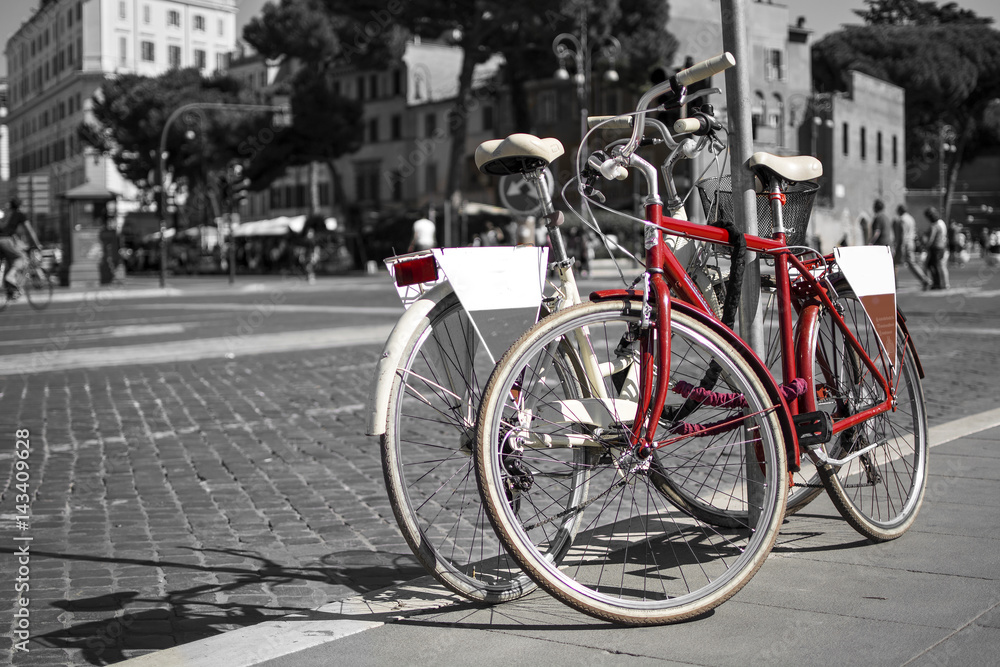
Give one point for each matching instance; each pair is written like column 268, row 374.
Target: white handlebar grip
column 687, row 125
column 613, row 171
column 615, row 122
column 705, row 69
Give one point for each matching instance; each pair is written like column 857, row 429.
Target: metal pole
column 734, row 40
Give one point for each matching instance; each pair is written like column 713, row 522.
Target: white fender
column 412, row 320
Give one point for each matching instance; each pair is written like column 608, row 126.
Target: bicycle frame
column 665, row 272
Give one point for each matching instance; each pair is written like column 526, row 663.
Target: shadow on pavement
column 127, row 619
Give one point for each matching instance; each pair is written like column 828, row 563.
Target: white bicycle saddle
column 516, row 154
column 794, row 168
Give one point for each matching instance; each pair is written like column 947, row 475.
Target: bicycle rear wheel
column 427, row 458
column 37, row 287
column 878, row 491
column 637, row 557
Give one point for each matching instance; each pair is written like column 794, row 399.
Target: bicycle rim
column 428, row 464
column 38, row 288
column 636, row 558
column 878, row 492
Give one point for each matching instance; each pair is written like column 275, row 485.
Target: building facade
column 57, row 59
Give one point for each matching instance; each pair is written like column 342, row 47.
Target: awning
column 475, row 208
column 89, row 192
column 279, row 226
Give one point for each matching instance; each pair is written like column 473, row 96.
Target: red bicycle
column 634, row 454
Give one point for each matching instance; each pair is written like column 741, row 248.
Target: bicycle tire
column 37, row 286
column 878, row 493
column 427, row 459
column 636, row 558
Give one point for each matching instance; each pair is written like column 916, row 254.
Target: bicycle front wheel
column 637, row 556
column 427, row 458
column 38, row 285
column 880, row 487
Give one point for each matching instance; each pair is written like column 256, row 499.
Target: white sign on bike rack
column 869, row 271
column 500, row 288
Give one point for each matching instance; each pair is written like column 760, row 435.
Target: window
column 373, row 86
column 757, row 112
column 361, row 87
column 864, row 148
column 221, row 61
column 895, row 150
column 845, row 139
column 487, row 117
column 69, row 54
column 174, row 18
column 121, row 10
column 367, row 176
column 546, row 106
column 221, row 27
column 397, row 82
column 148, row 52
column 774, row 67
column 878, row 146
column 145, row 13
column 373, row 130
column 199, row 58
column 396, row 127
column 397, row 185
column 431, row 177
column 430, row 124
column 122, row 51
column 174, row 56
column 69, row 18
column 199, row 22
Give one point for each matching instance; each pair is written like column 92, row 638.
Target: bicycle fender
column 901, row 320
column 385, row 369
column 770, row 385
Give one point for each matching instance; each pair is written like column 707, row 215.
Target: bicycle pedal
column 813, row 428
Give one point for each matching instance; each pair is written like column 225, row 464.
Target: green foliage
column 130, row 112
column 947, row 60
column 915, row 12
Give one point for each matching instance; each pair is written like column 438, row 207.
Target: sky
column 822, row 16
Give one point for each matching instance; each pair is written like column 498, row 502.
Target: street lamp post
column 568, row 47
column 161, row 207
column 947, row 137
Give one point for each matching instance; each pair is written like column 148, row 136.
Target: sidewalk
column 825, row 595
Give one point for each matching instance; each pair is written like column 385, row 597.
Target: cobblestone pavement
column 173, row 501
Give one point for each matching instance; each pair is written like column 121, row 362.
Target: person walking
column 905, row 231
column 424, row 234
column 881, row 227
column 11, row 246
column 937, row 249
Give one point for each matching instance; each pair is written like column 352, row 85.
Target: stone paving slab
column 823, row 596
column 172, row 502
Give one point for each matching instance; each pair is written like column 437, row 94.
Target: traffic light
column 238, row 185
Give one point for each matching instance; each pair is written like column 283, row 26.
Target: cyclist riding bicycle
column 11, row 246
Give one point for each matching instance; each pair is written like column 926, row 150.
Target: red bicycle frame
column 666, row 273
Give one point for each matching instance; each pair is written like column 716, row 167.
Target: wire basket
column 799, row 199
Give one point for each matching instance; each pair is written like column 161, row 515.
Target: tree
column 129, row 114
column 640, row 25
column 946, row 59
column 915, row 12
column 315, row 38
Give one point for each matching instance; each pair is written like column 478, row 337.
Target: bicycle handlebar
column 705, row 69
column 675, row 84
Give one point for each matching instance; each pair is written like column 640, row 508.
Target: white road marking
column 49, row 357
